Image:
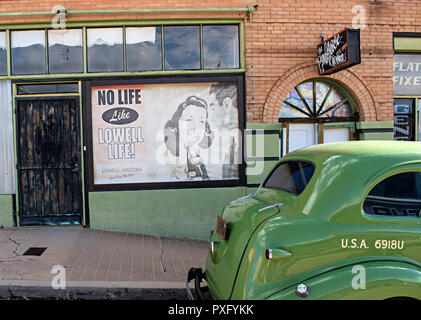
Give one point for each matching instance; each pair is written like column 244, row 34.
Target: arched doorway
column 316, row 111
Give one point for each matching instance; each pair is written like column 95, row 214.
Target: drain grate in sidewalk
column 34, row 251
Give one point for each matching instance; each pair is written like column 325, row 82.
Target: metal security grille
column 48, row 147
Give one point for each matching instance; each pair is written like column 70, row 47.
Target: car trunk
column 244, row 217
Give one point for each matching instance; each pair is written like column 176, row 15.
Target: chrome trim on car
column 275, row 205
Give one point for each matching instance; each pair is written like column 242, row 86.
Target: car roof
column 354, row 165
column 399, row 149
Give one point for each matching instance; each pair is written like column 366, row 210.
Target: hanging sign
column 339, row 52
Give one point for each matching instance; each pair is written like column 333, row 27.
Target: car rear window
column 290, row 176
column 398, row 195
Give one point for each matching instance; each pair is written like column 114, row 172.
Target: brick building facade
column 276, row 42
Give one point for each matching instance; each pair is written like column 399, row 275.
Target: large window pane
column 28, row 52
column 143, row 49
column 220, row 47
column 105, row 49
column 3, row 54
column 65, row 51
column 182, row 47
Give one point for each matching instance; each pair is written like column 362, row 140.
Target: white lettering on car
column 353, row 243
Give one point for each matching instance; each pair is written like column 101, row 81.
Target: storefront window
column 143, row 49
column 65, row 51
column 28, row 52
column 182, row 47
column 220, row 47
column 121, row 49
column 105, row 50
column 3, row 54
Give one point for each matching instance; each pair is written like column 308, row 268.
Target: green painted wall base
column 375, row 130
column 182, row 213
column 6, row 210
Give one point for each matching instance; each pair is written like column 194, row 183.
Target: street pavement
column 82, row 263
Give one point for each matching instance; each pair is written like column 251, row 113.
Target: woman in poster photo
column 186, row 134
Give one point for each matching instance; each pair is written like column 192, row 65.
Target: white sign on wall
column 144, row 133
column 407, row 74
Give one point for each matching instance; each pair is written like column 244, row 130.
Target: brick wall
column 281, row 43
column 284, row 34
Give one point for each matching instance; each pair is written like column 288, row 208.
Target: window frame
column 204, row 40
column 9, row 39
column 45, row 26
column 200, row 43
column 125, row 48
column 48, row 52
column 333, row 86
column 123, row 59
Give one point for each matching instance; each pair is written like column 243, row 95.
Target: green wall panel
column 373, row 130
column 262, row 150
column 262, row 145
column 6, row 210
column 263, row 167
column 377, row 136
column 183, row 213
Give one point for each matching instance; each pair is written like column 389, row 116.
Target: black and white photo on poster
column 166, row 133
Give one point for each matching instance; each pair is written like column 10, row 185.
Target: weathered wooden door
column 49, row 158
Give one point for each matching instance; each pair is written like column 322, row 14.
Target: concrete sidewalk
column 98, row 264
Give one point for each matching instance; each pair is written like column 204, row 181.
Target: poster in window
column 176, row 132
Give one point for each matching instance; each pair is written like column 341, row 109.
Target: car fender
column 368, row 280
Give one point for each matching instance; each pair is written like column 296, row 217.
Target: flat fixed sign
column 339, row 52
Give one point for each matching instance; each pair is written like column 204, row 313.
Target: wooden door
column 49, row 160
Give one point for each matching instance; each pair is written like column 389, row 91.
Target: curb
column 93, row 290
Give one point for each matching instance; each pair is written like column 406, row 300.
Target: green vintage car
column 332, row 221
